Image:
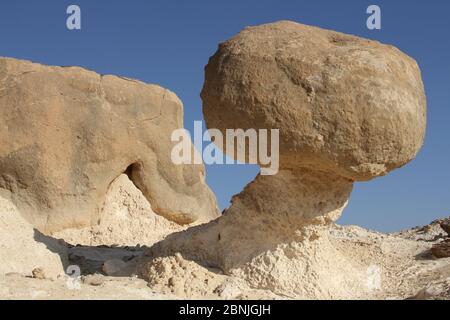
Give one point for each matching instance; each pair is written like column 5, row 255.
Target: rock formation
column 67, row 133
column 77, row 146
column 126, row 218
column 442, row 249
column 348, row 109
column 24, row 250
column 343, row 104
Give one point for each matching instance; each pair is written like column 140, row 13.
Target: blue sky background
column 169, row 42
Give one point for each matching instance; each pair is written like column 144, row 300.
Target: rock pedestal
column 348, row 109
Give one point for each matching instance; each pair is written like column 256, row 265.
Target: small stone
column 441, row 249
column 228, row 290
column 93, row 280
column 343, row 104
column 38, row 273
column 113, row 267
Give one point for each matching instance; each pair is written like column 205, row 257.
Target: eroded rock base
column 274, row 240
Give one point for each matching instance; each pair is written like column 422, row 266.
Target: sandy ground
column 102, row 262
column 403, row 267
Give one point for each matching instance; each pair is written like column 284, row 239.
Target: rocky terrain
column 92, row 207
column 392, row 266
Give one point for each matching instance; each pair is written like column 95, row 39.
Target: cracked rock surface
column 343, row 104
column 348, row 109
column 67, row 133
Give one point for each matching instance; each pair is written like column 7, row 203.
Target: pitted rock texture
column 24, row 249
column 269, row 211
column 343, row 104
column 126, row 218
column 67, row 133
column 348, row 109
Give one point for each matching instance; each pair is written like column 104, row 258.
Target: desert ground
column 394, row 266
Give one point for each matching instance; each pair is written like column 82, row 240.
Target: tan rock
column 269, row 211
column 445, row 225
column 25, row 250
column 441, row 249
column 342, row 103
column 113, row 267
column 38, row 273
column 93, row 280
column 126, row 218
column 347, row 109
column 67, row 133
column 183, row 278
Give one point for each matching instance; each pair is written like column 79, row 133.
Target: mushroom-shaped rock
column 347, row 109
column 67, row 133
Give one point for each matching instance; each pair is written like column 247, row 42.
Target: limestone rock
column 439, row 290
column 347, row 109
column 340, row 266
column 430, row 233
column 342, row 103
column 445, row 225
column 176, row 275
column 25, row 250
column 93, row 280
column 441, row 249
column 126, row 218
column 113, row 267
column 38, row 273
column 67, row 133
column 270, row 210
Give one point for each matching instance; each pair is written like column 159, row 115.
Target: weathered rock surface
column 347, row 109
column 431, row 232
column 445, row 225
column 67, row 133
column 38, row 273
column 381, row 266
column 332, row 262
column 277, row 239
column 342, row 103
column 441, row 249
column 126, row 219
column 25, row 250
column 270, row 210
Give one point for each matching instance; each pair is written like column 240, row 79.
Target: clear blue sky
column 169, row 42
